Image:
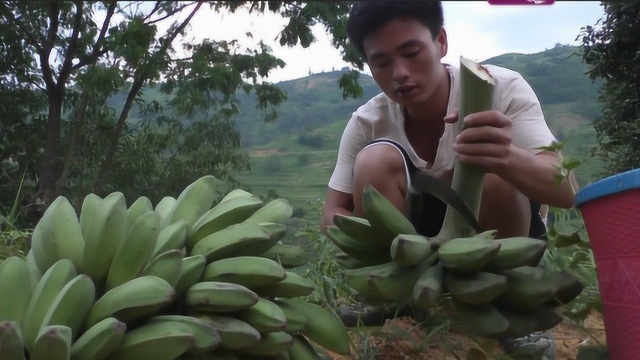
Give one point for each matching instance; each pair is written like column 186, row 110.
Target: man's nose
column 400, row 70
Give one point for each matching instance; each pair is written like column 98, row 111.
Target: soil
column 403, row 339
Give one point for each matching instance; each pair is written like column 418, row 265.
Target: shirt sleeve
column 354, row 138
column 519, row 102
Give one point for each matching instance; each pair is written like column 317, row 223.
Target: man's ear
column 443, row 42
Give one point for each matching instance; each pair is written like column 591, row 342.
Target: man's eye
column 382, row 64
column 410, row 54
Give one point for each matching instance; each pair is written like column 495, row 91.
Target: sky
column 475, row 29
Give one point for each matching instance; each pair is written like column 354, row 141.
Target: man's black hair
column 366, row 17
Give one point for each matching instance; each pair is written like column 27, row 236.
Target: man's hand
column 485, row 140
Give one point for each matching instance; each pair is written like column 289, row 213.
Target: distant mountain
column 296, row 154
column 556, row 75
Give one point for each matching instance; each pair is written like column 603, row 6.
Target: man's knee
column 381, row 165
column 504, row 208
column 379, row 161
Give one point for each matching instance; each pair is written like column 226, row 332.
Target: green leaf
column 563, row 239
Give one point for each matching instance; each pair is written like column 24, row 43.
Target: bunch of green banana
column 491, row 283
column 184, row 279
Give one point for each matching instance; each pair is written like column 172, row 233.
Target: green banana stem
column 476, row 94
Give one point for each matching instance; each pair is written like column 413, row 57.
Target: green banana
column 293, row 285
column 72, row 304
column 139, row 207
column 58, row 236
column 90, row 205
column 229, row 212
column 44, row 294
column 236, row 193
column 190, row 273
column 206, row 336
column 276, row 231
column 410, row 250
column 135, row 251
column 569, row 287
column 213, row 296
column 135, row 298
column 360, row 279
column 301, row 349
column 234, row 240
column 516, row 252
column 164, row 207
column 234, row 333
column 527, row 287
column 218, row 354
column 249, row 271
column 325, row 328
column 275, row 211
column 15, row 289
column 11, row 342
column 271, row 344
column 157, row 340
column 264, row 316
column 288, row 256
column 361, row 230
column 345, row 261
column 171, row 237
column 167, row 266
column 395, row 283
column 53, row 343
column 482, row 320
column 34, row 271
column 99, row 341
column 104, row 230
column 468, row 254
column 357, row 249
column 383, row 216
column 428, row 288
column 296, row 320
column 195, row 200
column 475, row 288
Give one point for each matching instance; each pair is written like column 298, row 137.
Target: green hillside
column 295, row 155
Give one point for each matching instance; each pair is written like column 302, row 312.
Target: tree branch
column 47, row 73
column 72, row 48
column 97, row 51
column 168, row 14
column 140, row 77
column 156, row 7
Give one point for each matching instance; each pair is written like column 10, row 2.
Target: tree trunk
column 105, row 168
column 76, row 132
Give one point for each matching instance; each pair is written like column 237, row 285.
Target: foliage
column 612, row 49
column 64, row 63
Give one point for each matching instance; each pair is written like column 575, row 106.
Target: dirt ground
column 401, row 339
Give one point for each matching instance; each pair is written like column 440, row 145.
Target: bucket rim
column 608, row 186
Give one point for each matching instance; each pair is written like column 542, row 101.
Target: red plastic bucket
column 611, row 212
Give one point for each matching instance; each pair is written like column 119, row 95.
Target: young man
column 409, row 126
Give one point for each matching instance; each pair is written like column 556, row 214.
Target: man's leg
column 382, row 165
column 504, row 208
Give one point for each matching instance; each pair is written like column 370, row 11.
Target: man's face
column 405, row 60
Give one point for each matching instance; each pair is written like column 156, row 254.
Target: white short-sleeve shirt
column 382, row 118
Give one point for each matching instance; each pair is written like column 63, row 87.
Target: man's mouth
column 405, row 89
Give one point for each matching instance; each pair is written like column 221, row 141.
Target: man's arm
column 336, row 202
column 486, row 142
